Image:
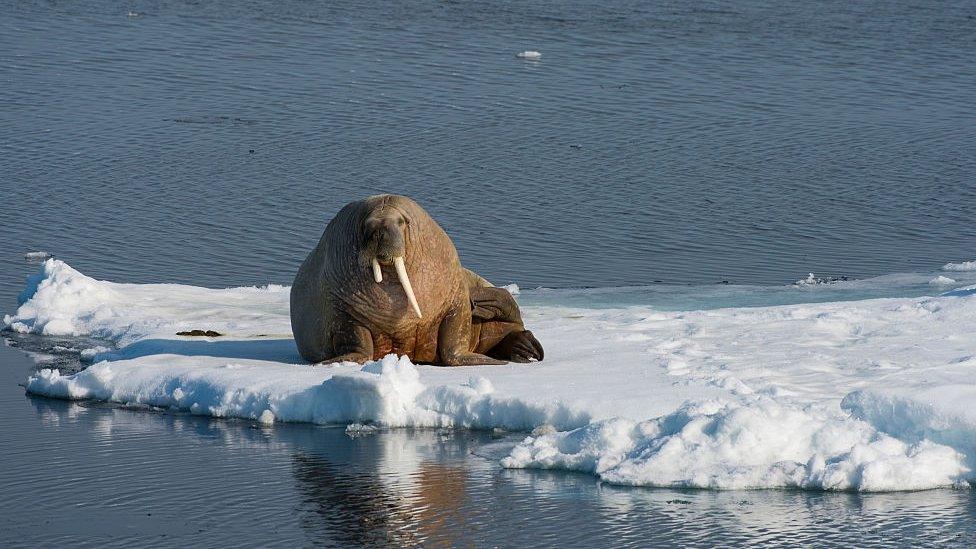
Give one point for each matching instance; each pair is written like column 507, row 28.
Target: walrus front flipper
column 349, row 343
column 518, row 347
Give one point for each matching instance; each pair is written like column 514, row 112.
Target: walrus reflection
column 385, row 278
column 358, row 508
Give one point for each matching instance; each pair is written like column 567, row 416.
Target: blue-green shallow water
column 677, row 143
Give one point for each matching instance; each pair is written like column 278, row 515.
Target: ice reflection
column 424, row 487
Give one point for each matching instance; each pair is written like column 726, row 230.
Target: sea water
column 681, row 155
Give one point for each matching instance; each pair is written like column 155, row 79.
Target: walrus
column 385, row 278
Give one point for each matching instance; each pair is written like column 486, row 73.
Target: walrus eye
column 401, row 222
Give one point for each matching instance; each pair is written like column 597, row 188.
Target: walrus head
column 385, row 236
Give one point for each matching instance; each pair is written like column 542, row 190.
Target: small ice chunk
column 809, row 280
column 962, row 266
column 267, row 417
column 814, row 280
column 360, row 429
column 942, row 281
column 42, row 358
column 37, row 256
column 530, row 55
column 89, row 355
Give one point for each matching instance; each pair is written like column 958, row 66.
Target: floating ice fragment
column 962, row 266
column 89, row 355
column 37, row 256
column 359, row 429
column 810, row 279
column 814, row 280
column 267, row 417
column 529, row 55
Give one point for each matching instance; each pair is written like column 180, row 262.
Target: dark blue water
column 675, row 142
column 209, row 143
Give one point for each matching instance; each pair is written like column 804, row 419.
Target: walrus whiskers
column 401, row 270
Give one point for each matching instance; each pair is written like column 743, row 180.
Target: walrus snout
column 386, row 245
column 385, row 239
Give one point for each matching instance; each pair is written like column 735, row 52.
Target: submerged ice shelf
column 871, row 394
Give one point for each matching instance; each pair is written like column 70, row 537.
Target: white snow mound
column 730, row 445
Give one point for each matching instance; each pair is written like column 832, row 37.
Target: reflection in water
column 400, row 487
column 309, row 484
column 361, row 509
column 352, row 510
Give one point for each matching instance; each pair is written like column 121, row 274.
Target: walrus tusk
column 401, row 271
column 377, row 273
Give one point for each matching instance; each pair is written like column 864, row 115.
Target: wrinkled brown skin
column 339, row 313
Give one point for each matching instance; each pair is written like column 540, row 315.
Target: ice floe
column 873, row 394
column 37, row 257
column 964, row 266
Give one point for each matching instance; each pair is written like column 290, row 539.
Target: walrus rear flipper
column 521, row 346
column 500, row 330
column 494, row 304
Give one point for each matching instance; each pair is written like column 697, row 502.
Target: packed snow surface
column 873, row 394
